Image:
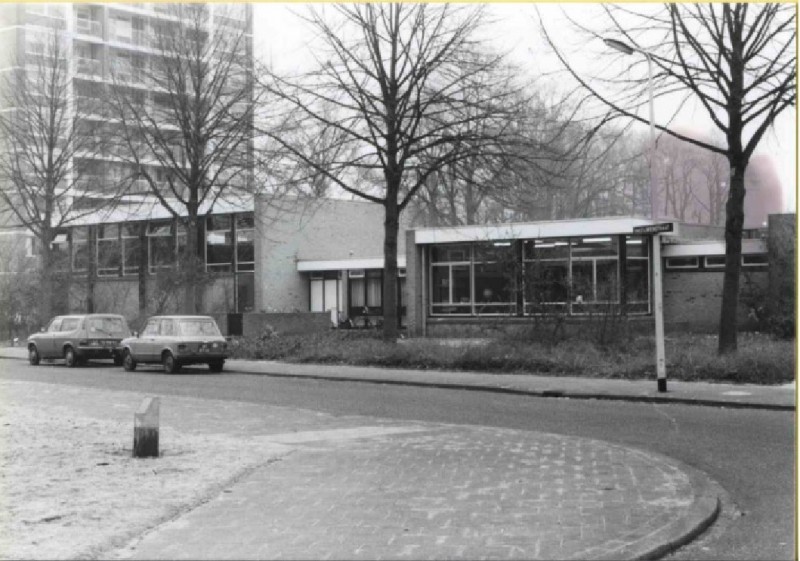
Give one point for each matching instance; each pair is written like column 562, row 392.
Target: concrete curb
column 533, row 393
column 563, row 394
column 702, row 514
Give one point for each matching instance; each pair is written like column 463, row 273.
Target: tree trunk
column 391, row 228
column 45, row 278
column 143, row 277
column 734, row 223
column 191, row 270
column 91, row 275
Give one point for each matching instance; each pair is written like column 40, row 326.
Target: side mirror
column 41, row 330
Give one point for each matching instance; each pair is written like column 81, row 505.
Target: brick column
column 415, row 306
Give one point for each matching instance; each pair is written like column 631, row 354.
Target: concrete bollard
column 145, row 429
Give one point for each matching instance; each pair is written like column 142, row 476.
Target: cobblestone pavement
column 448, row 492
column 350, row 487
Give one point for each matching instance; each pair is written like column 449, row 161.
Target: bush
column 761, row 359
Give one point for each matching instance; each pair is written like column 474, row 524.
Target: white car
column 175, row 341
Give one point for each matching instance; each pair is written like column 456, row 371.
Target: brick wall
column 326, row 230
column 253, row 324
column 782, row 249
column 415, row 307
column 692, row 300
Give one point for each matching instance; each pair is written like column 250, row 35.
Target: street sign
column 653, row 228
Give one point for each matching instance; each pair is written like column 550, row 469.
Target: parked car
column 78, row 338
column 175, row 341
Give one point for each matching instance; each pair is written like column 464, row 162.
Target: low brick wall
column 253, row 324
column 497, row 328
column 692, row 300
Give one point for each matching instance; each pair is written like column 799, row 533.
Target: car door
column 67, row 334
column 44, row 340
column 142, row 348
column 166, row 336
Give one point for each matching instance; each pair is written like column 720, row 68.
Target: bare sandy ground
column 69, row 487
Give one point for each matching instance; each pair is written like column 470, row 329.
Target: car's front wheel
column 127, row 361
column 216, row 365
column 171, row 365
column 33, row 355
column 70, row 358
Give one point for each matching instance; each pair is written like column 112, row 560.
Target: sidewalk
column 781, row 398
column 248, row 481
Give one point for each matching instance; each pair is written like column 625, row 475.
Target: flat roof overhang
column 307, row 266
column 147, row 208
column 536, row 230
column 692, row 249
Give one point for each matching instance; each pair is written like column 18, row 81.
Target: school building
column 323, row 259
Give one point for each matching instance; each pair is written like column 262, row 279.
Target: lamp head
column 619, row 45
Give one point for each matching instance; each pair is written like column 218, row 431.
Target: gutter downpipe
column 424, row 307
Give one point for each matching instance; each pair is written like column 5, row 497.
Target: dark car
column 175, row 341
column 78, row 338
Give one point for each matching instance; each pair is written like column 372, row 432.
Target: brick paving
column 351, row 487
column 446, row 492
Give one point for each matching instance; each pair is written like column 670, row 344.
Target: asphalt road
column 750, row 453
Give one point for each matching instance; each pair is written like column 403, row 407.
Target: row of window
column 569, row 275
column 713, row 261
column 365, row 291
column 229, row 246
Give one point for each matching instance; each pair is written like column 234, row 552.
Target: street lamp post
column 658, row 300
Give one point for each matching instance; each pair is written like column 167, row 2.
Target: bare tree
column 399, row 78
column 510, row 181
column 190, row 137
column 43, row 136
column 738, row 61
column 690, row 182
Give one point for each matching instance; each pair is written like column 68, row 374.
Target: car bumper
column 96, row 352
column 195, row 357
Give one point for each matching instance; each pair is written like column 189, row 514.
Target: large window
column 80, row 249
column 131, row 248
column 219, row 243
column 245, row 243
column 59, row 254
column 546, row 275
column 109, row 255
column 595, row 280
column 161, row 246
column 451, row 279
column 495, row 278
column 366, row 290
column 374, row 289
column 569, row 275
column 637, row 274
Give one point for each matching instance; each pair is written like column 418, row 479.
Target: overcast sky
column 280, row 36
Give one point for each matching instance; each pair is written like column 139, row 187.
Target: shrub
column 761, row 359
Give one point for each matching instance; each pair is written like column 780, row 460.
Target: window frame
column 152, row 236
column 124, row 239
column 228, row 235
column 101, row 230
column 672, row 267
column 244, row 266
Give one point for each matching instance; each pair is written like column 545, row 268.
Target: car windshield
column 70, row 324
column 198, row 327
column 107, row 326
